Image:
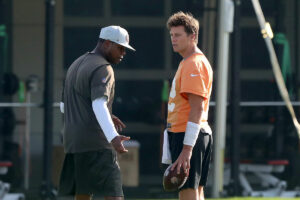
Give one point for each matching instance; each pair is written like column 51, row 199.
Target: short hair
column 100, row 40
column 190, row 24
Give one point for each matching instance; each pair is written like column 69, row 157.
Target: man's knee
column 188, row 194
column 201, row 192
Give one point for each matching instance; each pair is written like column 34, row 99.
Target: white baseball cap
column 116, row 34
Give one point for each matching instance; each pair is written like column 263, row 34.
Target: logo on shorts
column 103, row 80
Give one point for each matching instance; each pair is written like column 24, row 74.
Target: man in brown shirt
column 90, row 134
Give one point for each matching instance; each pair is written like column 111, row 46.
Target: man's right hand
column 117, row 143
column 183, row 159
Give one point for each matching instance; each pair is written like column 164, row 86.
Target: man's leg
column 201, row 192
column 83, row 197
column 189, row 194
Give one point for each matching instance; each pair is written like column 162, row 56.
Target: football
column 173, row 181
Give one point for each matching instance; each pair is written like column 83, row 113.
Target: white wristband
column 191, row 133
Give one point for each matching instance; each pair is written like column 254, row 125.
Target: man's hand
column 118, row 123
column 117, row 143
column 183, row 159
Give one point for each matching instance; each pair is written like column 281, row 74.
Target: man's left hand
column 118, row 123
column 183, row 159
column 117, row 143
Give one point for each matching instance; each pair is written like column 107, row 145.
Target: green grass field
column 255, row 198
column 238, row 198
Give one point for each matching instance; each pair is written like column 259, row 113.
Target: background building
column 265, row 131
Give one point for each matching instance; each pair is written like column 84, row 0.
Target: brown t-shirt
column 88, row 78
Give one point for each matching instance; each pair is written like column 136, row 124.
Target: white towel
column 206, row 127
column 166, row 154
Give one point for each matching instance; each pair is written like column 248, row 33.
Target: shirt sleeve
column 195, row 79
column 101, row 82
column 104, row 118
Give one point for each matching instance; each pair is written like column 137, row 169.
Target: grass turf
column 237, row 198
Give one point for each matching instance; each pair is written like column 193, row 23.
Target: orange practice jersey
column 194, row 75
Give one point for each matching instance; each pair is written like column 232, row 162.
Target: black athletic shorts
column 94, row 173
column 200, row 160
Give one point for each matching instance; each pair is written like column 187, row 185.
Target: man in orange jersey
column 190, row 137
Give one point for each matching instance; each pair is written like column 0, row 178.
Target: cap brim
column 127, row 46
